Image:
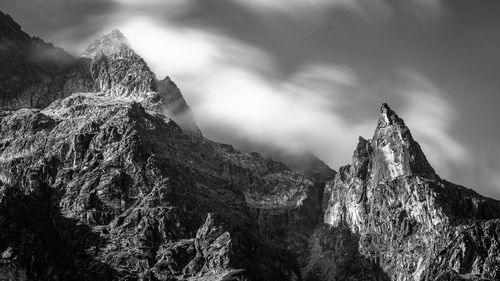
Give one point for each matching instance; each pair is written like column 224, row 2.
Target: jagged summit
column 395, row 152
column 117, row 70
column 35, row 74
column 389, row 117
column 391, row 153
column 403, row 213
column 109, row 44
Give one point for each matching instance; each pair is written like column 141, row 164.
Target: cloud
column 365, row 9
column 238, row 94
column 430, row 116
column 310, row 10
column 484, row 170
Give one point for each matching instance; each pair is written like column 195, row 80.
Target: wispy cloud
column 366, row 9
column 305, row 10
column 237, row 94
column 430, row 116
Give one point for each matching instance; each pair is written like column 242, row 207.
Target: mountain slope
column 402, row 216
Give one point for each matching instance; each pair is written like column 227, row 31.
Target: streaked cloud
column 430, row 115
column 366, row 9
column 237, row 94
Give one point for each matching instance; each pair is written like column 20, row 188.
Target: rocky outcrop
column 401, row 214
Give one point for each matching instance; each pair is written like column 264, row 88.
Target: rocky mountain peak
column 395, row 152
column 112, row 67
column 402, row 214
column 389, row 117
column 111, row 43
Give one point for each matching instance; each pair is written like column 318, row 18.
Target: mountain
column 111, row 67
column 95, row 187
column 106, row 181
column 402, row 218
column 34, row 74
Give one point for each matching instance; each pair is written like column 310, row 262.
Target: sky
column 310, row 76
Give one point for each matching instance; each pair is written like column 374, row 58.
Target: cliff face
column 402, row 216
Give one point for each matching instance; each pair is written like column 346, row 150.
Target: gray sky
column 311, row 75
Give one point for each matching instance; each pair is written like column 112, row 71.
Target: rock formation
column 104, row 175
column 34, row 74
column 402, row 217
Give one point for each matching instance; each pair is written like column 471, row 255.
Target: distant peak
column 108, row 44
